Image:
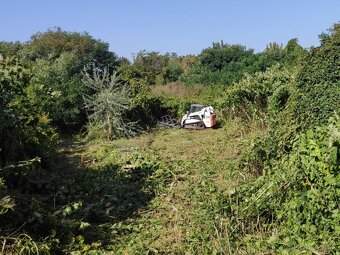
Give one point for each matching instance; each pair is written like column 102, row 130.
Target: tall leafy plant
column 107, row 105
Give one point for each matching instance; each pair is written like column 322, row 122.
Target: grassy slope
column 184, row 216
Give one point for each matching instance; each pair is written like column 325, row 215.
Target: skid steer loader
column 199, row 117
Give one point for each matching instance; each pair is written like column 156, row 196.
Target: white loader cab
column 199, row 117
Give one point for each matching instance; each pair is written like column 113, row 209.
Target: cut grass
column 200, row 168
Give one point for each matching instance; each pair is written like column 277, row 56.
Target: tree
column 147, row 68
column 10, row 49
column 172, row 72
column 107, row 105
column 224, row 56
column 57, row 59
column 221, row 64
column 294, row 53
column 274, row 53
column 52, row 43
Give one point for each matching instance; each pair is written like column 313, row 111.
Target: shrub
column 249, row 98
column 297, row 194
column 25, row 129
column 293, row 202
column 312, row 97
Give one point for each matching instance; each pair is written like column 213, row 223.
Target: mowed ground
column 185, row 216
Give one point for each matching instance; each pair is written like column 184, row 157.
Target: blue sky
column 181, row 26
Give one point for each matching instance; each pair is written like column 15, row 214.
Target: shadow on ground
column 64, row 200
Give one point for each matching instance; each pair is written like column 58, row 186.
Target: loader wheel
column 201, row 125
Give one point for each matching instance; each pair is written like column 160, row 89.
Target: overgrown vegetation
column 266, row 182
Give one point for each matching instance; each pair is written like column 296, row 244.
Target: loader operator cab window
column 196, row 108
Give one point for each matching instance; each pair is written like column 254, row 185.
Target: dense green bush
column 62, row 77
column 290, row 56
column 199, row 74
column 309, row 96
column 293, row 204
column 226, row 64
column 51, row 44
column 172, row 72
column 312, row 97
column 220, row 64
column 296, row 196
column 25, row 129
column 252, row 97
column 10, row 49
column 148, row 110
column 147, row 67
column 222, row 56
column 56, row 59
column 318, row 82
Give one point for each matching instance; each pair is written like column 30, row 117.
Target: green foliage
column 54, row 42
column 318, row 86
column 6, row 202
column 172, row 72
column 252, row 97
column 57, row 59
column 225, row 64
column 146, row 68
column 25, row 129
column 273, row 54
column 294, row 53
column 10, row 49
column 61, row 80
column 107, row 105
column 199, row 74
column 321, row 64
column 312, row 97
column 292, row 205
column 151, row 68
column 297, row 194
column 316, row 159
column 148, row 109
column 289, row 56
column 220, row 64
column 225, row 57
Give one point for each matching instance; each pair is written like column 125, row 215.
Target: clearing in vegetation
column 193, row 170
column 160, row 192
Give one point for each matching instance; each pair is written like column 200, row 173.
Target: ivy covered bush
column 296, row 201
column 252, row 97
